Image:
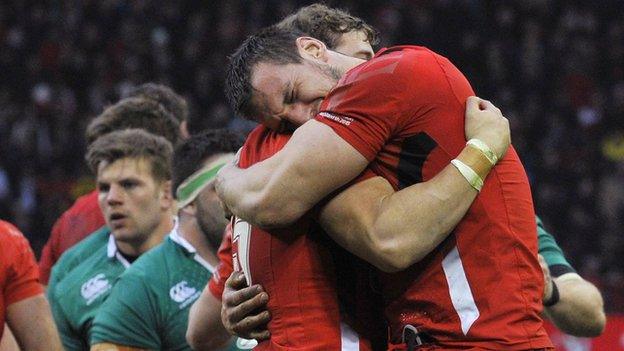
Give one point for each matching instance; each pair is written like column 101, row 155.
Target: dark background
column 555, row 68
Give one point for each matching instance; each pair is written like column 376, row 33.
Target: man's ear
column 189, row 209
column 167, row 194
column 312, row 48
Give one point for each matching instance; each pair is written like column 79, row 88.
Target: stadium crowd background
column 555, row 68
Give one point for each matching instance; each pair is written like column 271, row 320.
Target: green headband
column 193, row 185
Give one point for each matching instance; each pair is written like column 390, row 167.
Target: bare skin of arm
column 112, row 347
column 279, row 190
column 205, row 330
column 393, row 230
column 580, row 310
column 8, row 342
column 315, row 162
column 32, row 325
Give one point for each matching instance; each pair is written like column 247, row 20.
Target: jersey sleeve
column 216, row 285
column 552, row 253
column 377, row 99
column 129, row 319
column 22, row 270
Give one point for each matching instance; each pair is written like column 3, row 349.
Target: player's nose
column 114, row 195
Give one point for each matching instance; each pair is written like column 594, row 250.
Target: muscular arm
column 205, row 329
column 279, row 190
column 112, row 347
column 393, row 230
column 32, row 325
column 580, row 310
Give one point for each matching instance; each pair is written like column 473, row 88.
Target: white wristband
column 487, row 152
column 469, row 174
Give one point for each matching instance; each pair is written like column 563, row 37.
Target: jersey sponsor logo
column 246, row 344
column 340, row 119
column 183, row 294
column 94, row 288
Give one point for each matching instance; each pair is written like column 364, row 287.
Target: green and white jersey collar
column 113, row 252
column 190, row 249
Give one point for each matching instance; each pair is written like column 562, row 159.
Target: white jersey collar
column 178, row 239
column 113, row 250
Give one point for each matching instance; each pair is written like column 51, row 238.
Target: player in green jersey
column 76, row 255
column 133, row 171
column 167, row 280
column 571, row 302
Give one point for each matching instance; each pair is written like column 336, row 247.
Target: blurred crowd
column 555, row 68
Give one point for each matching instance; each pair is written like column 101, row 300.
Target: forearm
column 393, row 230
column 31, row 322
column 580, row 310
column 279, row 190
column 113, row 347
column 205, row 330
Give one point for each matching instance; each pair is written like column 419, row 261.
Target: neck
column 344, row 63
column 156, row 237
column 190, row 231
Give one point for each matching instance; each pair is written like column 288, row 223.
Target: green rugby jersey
column 164, row 284
column 76, row 298
column 77, row 254
column 552, row 253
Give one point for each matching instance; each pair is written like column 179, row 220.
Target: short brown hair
column 133, row 143
column 135, row 112
column 327, row 24
column 162, row 94
column 271, row 44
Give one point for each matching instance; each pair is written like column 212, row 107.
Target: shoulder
column 262, row 143
column 11, row 239
column 84, row 203
column 88, row 269
column 83, row 249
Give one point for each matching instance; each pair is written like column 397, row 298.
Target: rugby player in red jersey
column 22, row 303
column 84, row 216
column 402, row 113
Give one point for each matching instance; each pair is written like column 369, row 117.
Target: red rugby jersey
column 75, row 224
column 404, row 111
column 19, row 276
column 216, row 285
column 296, row 267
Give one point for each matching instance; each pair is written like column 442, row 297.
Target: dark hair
column 327, row 24
column 135, row 112
column 172, row 102
column 132, row 143
column 189, row 156
column 272, row 45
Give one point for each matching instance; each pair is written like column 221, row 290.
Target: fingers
column 240, row 311
column 253, row 327
column 236, row 281
column 472, row 103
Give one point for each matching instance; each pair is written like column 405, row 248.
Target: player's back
column 482, row 286
column 295, row 267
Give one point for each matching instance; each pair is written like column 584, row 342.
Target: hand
column 243, row 309
column 486, row 122
column 548, row 283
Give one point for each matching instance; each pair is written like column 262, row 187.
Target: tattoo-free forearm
column 580, row 309
column 279, row 190
column 393, row 230
column 205, row 330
